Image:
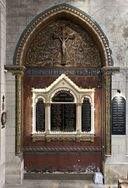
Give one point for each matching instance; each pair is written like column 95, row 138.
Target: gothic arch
column 72, row 13
column 41, row 21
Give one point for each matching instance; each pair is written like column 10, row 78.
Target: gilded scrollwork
column 63, row 43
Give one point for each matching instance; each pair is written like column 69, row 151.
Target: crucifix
column 63, row 38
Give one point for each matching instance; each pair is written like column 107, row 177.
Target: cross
column 63, row 38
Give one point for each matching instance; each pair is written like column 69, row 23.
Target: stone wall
column 14, row 164
column 112, row 16
column 2, row 88
column 116, row 166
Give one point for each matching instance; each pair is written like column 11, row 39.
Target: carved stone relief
column 63, row 43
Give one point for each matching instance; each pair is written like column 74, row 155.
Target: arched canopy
column 68, row 12
column 63, row 96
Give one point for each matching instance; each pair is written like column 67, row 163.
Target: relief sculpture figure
column 63, row 38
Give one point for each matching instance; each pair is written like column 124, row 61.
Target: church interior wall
column 2, row 88
column 117, row 165
column 113, row 19
column 13, row 163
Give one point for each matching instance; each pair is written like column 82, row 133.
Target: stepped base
column 62, row 176
column 59, row 184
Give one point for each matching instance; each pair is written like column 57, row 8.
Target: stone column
column 14, row 159
column 34, row 118
column 92, row 117
column 47, row 117
column 18, row 80
column 107, row 113
column 78, row 117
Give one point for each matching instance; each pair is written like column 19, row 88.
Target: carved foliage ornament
column 63, row 43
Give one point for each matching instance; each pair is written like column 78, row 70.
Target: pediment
column 63, row 82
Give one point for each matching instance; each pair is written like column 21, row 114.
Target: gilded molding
column 54, row 12
column 63, row 137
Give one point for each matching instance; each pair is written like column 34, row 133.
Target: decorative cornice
column 63, row 80
column 110, row 70
column 15, row 69
column 56, row 11
column 63, row 149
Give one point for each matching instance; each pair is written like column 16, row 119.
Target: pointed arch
column 71, row 13
column 41, row 21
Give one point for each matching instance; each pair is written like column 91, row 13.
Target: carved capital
column 15, row 69
column 110, row 70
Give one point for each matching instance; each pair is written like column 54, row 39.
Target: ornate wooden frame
column 42, row 19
